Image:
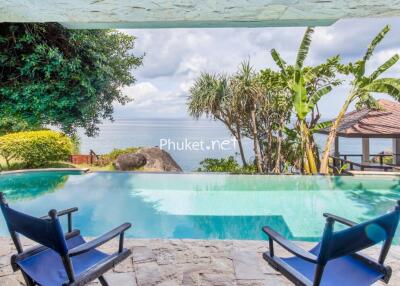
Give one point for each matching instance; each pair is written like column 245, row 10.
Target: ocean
column 190, row 141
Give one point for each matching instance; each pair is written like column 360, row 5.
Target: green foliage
column 65, row 78
column 214, row 97
column 35, row 148
column 76, row 143
column 10, row 124
column 109, row 158
column 304, row 48
column 228, row 165
column 321, row 125
column 258, row 106
column 219, row 165
column 307, row 85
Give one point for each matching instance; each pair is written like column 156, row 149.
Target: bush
column 35, row 148
column 229, row 165
column 109, row 158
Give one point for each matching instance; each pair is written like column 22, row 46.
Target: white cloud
column 175, row 57
column 139, row 91
column 185, row 86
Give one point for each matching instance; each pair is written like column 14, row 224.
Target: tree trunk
column 331, row 137
column 306, row 167
column 311, row 159
column 277, row 168
column 308, row 151
column 239, row 140
column 238, row 137
column 7, row 162
column 255, row 142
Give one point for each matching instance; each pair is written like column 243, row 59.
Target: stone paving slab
column 188, row 262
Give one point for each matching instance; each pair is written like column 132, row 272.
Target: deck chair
column 59, row 259
column 336, row 259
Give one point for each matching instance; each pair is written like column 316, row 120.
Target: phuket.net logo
column 197, row 145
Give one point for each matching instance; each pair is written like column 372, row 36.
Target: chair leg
column 28, row 280
column 103, row 281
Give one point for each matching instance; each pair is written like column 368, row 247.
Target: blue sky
column 175, row 57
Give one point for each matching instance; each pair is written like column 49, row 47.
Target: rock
column 159, row 160
column 130, row 161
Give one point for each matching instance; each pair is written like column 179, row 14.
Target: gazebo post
column 365, row 149
column 336, row 151
column 396, row 151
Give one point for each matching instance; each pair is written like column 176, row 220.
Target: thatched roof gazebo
column 366, row 123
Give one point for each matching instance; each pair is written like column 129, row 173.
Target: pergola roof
column 383, row 123
column 192, row 13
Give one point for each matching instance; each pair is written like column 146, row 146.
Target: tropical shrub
column 35, row 148
column 228, row 165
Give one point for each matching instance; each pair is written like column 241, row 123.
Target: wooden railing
column 338, row 163
column 380, row 156
column 84, row 159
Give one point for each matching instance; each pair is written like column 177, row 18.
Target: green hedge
column 229, row 165
column 35, row 148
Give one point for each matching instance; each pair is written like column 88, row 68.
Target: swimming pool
column 206, row 206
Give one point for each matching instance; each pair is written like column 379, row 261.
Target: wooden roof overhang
column 365, row 123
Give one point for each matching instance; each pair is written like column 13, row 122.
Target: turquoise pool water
column 207, row 206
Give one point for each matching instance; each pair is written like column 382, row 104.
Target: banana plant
column 362, row 87
column 303, row 102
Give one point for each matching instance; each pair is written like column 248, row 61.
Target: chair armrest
column 99, row 241
column 65, row 212
column 340, row 219
column 61, row 213
column 289, row 246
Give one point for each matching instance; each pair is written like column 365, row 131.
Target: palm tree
column 211, row 95
column 303, row 102
column 247, row 92
column 362, row 87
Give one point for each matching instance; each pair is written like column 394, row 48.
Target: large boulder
column 159, row 160
column 130, row 161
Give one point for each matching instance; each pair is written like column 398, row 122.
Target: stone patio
column 188, row 262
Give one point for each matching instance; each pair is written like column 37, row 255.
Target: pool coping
column 88, row 170
column 352, row 174
column 83, row 170
column 375, row 173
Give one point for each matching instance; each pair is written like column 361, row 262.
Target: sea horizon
column 149, row 132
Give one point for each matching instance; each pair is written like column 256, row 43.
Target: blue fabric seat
column 56, row 274
column 343, row 271
column 59, row 259
column 336, row 260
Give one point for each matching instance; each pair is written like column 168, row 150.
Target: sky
column 174, row 58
